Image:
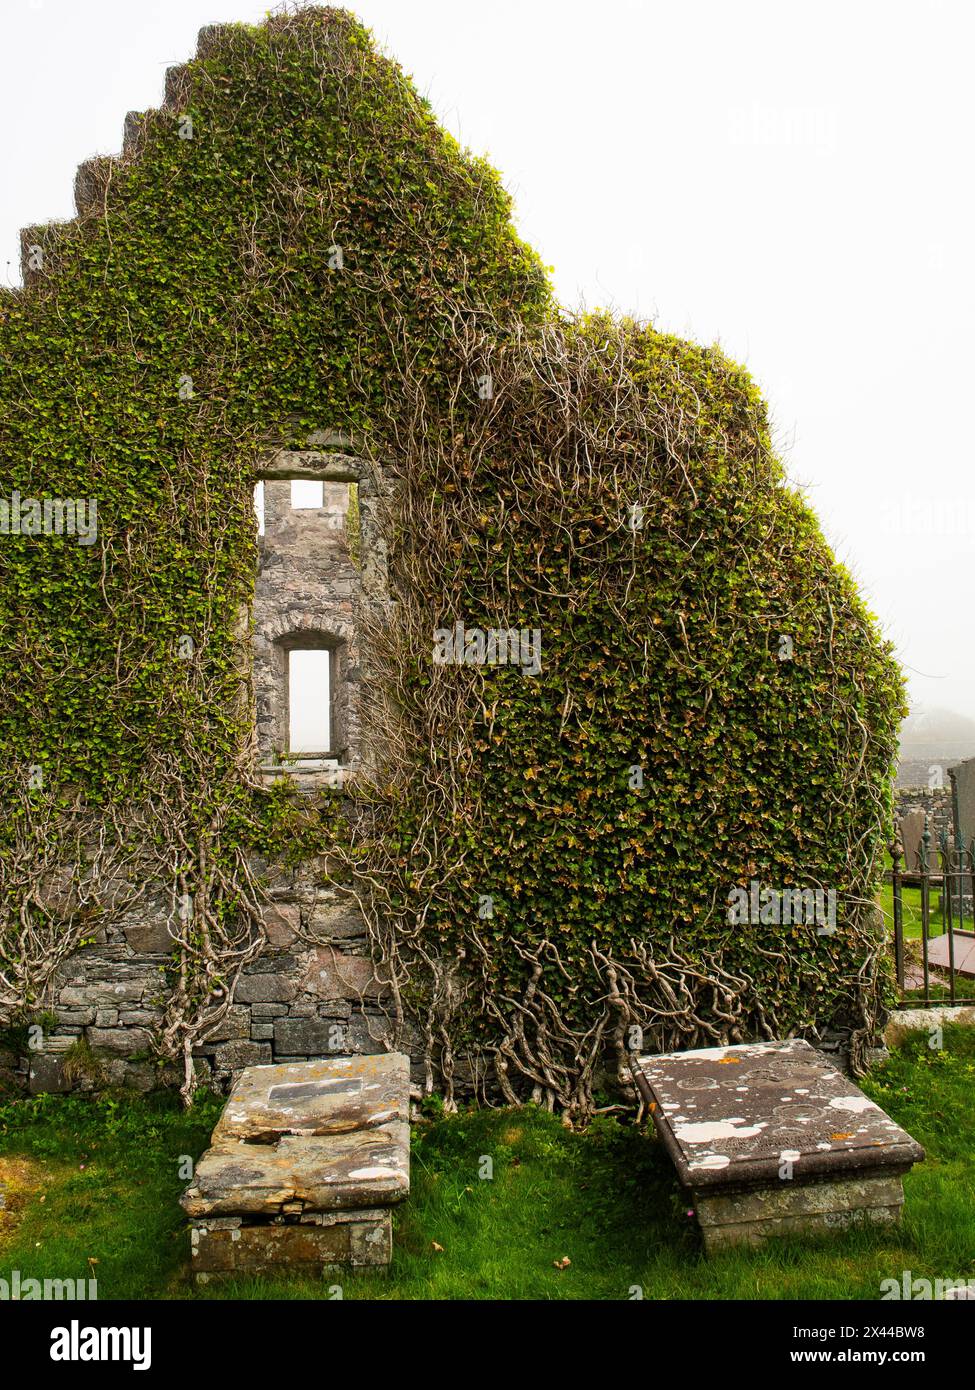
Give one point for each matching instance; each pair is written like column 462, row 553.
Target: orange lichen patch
column 841, row 1136
column 19, row 1180
column 729, row 1061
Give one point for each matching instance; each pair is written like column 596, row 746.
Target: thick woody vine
column 292, row 244
column 608, row 926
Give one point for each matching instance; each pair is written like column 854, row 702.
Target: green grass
column 99, row 1178
column 911, row 906
column 911, row 903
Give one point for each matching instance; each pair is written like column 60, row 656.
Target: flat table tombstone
column 303, row 1167
column 770, row 1139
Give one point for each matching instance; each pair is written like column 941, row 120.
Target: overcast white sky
column 793, row 180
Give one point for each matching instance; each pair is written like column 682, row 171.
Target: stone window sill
column 308, row 774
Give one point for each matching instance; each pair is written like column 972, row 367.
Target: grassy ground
column 92, row 1187
column 911, row 902
column 911, row 905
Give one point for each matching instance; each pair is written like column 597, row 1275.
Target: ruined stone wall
column 295, row 1001
column 312, row 992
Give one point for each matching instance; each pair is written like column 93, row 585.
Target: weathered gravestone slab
column 911, row 829
column 769, row 1138
column 963, row 781
column 303, row 1167
column 960, row 945
column 960, row 883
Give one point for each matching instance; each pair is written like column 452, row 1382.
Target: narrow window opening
column 259, row 506
column 307, row 494
column 309, row 699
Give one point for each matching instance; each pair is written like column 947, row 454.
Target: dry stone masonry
column 300, row 998
column 770, row 1139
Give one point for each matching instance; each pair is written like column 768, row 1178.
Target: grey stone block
column 46, row 1065
column 282, row 923
column 335, row 1009
column 133, row 1076
column 268, row 1249
column 101, row 994
column 335, row 921
column 307, row 1037
column 331, row 974
column 76, row 1018
column 121, row 1041
column 792, row 1209
column 232, row 1056
column 235, row 1024
column 272, row 963
column 265, row 989
column 146, row 930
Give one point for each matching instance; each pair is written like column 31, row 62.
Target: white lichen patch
column 704, row 1131
column 854, row 1104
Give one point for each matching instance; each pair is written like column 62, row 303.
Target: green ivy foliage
column 672, row 746
column 194, row 318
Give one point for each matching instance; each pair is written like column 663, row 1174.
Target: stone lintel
column 311, row 463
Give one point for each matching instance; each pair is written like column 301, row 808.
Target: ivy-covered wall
column 541, row 851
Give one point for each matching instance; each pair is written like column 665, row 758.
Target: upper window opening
column 307, row 493
column 309, row 699
column 259, row 506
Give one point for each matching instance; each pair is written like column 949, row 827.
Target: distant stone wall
column 913, row 773
column 936, row 805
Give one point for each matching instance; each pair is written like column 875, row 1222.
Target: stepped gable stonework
column 312, row 991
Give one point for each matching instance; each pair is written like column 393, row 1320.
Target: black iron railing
column 935, row 960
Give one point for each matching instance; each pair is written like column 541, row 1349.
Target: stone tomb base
column 223, row 1245
column 769, row 1139
column 304, row 1165
column 750, row 1217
